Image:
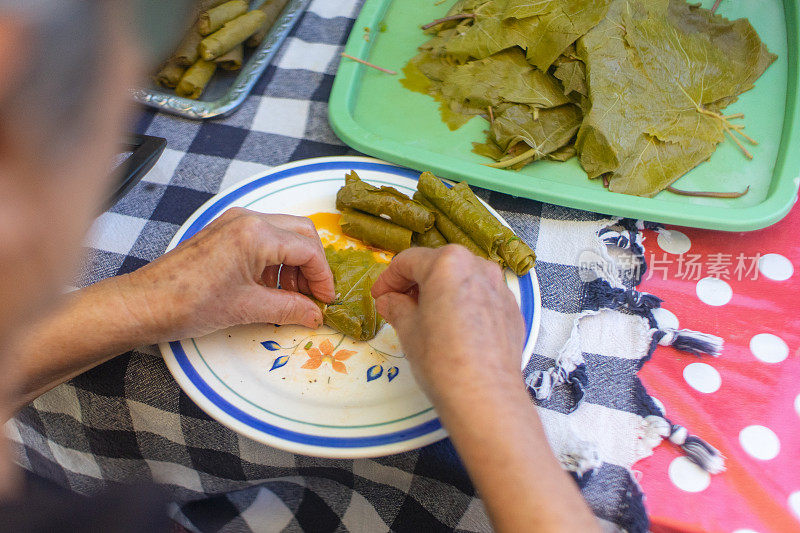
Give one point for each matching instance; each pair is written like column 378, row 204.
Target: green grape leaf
column 504, row 77
column 543, row 28
column 653, row 68
column 544, row 130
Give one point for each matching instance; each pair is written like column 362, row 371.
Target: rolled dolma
column 353, row 311
column 387, row 201
column 213, row 19
column 232, row 33
column 450, row 231
column 430, row 239
column 485, row 230
column 205, row 5
column 170, row 74
column 272, row 9
column 186, row 54
column 232, row 60
column 375, row 231
column 195, row 79
column 517, row 255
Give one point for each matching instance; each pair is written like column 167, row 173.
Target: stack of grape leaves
column 634, row 88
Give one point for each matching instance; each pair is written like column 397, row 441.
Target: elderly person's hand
column 456, row 317
column 223, row 276
column 227, row 275
column 462, row 331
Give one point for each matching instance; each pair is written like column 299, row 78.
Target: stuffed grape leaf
column 451, row 232
column 383, row 202
column 375, row 231
column 353, row 312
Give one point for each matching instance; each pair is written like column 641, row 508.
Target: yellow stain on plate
column 330, row 233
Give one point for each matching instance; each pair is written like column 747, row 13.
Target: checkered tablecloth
column 127, row 421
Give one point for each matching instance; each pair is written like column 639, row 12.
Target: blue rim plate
column 314, row 392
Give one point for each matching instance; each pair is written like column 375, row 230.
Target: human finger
column 302, row 284
column 406, row 270
column 270, row 276
column 276, row 306
column 289, row 278
column 297, row 250
column 399, row 311
column 242, row 216
column 301, row 225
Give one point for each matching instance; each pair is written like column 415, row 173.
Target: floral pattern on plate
column 325, row 355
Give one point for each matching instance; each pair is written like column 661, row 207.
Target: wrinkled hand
column 227, row 274
column 457, row 320
column 462, row 332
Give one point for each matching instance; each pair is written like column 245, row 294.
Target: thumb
column 277, row 306
column 398, row 309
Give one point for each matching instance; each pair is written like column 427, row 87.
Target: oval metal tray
column 227, row 90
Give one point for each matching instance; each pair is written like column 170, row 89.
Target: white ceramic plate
column 342, row 404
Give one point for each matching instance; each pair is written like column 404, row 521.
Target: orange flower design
column 317, row 356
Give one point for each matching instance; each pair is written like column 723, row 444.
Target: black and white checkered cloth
column 127, row 421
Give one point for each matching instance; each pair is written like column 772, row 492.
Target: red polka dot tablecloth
column 745, row 288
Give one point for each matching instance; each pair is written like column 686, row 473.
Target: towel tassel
column 582, row 461
column 640, row 302
column 620, row 239
column 543, row 382
column 569, row 368
column 693, row 342
column 599, row 294
column 697, row 450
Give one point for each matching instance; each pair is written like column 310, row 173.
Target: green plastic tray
column 372, row 112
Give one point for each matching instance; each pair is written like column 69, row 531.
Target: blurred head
column 64, row 73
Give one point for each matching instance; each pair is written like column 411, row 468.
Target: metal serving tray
column 227, row 90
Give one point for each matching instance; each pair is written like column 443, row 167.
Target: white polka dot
column 687, row 476
column 775, row 266
column 769, row 348
column 673, row 241
column 714, row 291
column 702, row 377
column 797, row 405
column 745, row 531
column 665, row 318
column 794, row 503
column 760, row 442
